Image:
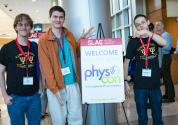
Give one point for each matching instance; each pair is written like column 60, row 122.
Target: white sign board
column 102, row 71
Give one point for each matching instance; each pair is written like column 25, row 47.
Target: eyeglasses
column 140, row 24
column 25, row 24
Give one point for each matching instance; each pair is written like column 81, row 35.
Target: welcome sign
column 102, row 70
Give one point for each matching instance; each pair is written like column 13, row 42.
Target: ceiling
column 37, row 9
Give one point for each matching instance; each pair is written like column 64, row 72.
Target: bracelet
column 125, row 80
column 152, row 35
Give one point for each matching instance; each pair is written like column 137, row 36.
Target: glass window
column 121, row 25
column 125, row 3
column 113, row 34
column 116, row 4
column 126, row 17
column 113, row 22
column 112, row 7
column 119, row 34
column 118, row 20
column 127, row 34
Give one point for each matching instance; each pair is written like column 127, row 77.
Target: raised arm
column 157, row 38
column 88, row 33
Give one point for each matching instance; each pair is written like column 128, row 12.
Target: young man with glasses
column 144, row 48
column 18, row 59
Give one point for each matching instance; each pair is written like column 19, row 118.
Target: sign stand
column 125, row 113
column 100, row 34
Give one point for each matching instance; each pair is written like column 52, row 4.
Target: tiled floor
column 170, row 112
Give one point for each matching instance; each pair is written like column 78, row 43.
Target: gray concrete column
column 54, row 2
column 86, row 13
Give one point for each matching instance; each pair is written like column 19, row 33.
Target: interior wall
column 172, row 8
column 154, row 10
column 140, row 7
column 4, row 41
column 171, row 26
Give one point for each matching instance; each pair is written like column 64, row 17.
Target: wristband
column 152, row 35
column 125, row 80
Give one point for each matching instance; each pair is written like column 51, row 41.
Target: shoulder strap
column 37, row 66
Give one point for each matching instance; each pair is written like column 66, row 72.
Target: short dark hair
column 56, row 8
column 21, row 17
column 151, row 27
column 140, row 15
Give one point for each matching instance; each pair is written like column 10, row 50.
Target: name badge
column 65, row 71
column 146, row 72
column 27, row 80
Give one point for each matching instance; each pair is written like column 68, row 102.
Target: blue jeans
column 155, row 99
column 25, row 105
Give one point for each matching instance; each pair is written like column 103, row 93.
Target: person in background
column 20, row 91
column 169, row 95
column 144, row 48
column 151, row 27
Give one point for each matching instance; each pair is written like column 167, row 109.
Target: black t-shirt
column 135, row 49
column 14, row 62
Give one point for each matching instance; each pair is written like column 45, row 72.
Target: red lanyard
column 146, row 50
column 61, row 46
column 27, row 56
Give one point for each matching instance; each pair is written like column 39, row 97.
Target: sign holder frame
column 100, row 34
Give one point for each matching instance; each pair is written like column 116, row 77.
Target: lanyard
column 61, row 46
column 146, row 50
column 27, row 56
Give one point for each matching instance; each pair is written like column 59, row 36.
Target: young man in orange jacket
column 58, row 52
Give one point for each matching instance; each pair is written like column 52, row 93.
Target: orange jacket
column 49, row 59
